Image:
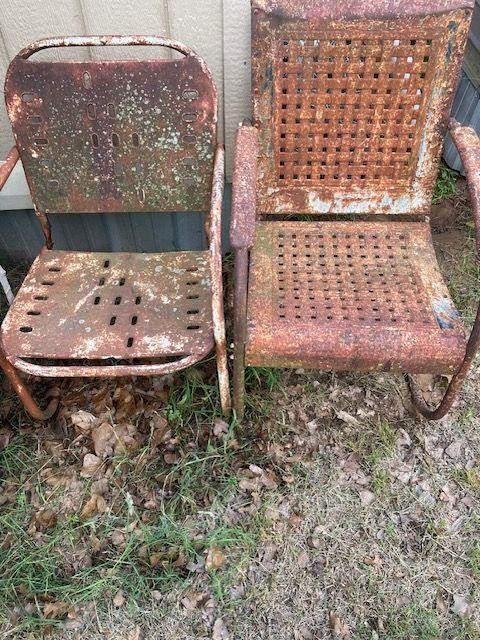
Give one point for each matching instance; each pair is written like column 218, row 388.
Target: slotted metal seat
column 332, row 186
column 112, row 305
column 118, row 136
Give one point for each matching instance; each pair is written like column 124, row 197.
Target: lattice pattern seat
column 75, row 305
column 350, row 295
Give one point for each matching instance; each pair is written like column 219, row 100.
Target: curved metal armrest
column 242, row 227
column 7, row 167
column 468, row 145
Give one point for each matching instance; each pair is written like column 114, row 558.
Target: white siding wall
column 218, row 30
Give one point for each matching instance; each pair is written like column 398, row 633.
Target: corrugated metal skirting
column 21, row 237
column 466, row 109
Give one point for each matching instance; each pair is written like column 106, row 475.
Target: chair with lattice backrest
column 350, row 108
column 117, row 136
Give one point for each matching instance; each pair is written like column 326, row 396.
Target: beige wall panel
column 236, row 45
column 198, row 24
column 127, row 17
column 6, row 137
column 23, row 22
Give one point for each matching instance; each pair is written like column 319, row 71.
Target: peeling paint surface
column 352, row 113
column 350, row 295
column 104, row 305
column 114, row 135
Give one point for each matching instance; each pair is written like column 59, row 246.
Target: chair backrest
column 114, row 135
column 351, row 98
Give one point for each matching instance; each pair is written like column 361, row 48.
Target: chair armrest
column 467, row 143
column 7, row 167
column 242, row 226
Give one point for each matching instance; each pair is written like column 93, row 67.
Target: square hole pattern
column 365, row 278
column 349, row 110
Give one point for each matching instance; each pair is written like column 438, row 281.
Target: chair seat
column 111, row 305
column 349, row 295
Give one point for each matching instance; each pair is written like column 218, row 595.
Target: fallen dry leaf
column 42, row 520
column 5, row 435
column 95, row 504
column 460, row 605
column 59, row 609
column 220, row 631
column 366, row 497
column 193, row 599
column 215, row 559
column 83, row 421
column 441, row 604
column 91, row 464
column 220, row 427
column 119, row 599
column 136, row 634
column 339, row 627
column 348, row 419
column 59, row 477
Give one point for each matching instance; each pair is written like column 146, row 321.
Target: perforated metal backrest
column 351, row 99
column 111, row 135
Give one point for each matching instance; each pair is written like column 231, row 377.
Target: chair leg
column 456, row 382
column 239, row 331
column 21, row 390
column 239, row 384
column 223, row 383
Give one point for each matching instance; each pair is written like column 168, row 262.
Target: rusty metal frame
column 214, row 232
column 11, row 363
column 282, row 35
column 9, row 370
column 242, row 235
column 467, row 143
column 256, row 194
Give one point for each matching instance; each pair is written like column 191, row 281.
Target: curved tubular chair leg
column 455, row 383
column 239, row 330
column 214, row 231
column 468, row 146
column 21, row 390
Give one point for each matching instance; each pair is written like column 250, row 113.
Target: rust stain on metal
column 114, row 135
column 242, row 227
column 242, row 236
column 350, row 295
column 122, row 305
column 214, row 231
column 351, row 101
column 7, row 167
column 468, row 145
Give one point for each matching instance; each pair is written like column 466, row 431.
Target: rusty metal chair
column 117, row 136
column 350, row 108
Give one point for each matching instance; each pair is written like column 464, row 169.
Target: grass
column 446, row 184
column 158, row 546
column 197, row 491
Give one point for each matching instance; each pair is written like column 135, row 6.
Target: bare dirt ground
column 331, row 512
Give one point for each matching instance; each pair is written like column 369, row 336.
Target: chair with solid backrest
column 116, row 136
column 350, row 108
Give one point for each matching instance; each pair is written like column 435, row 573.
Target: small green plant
column 475, row 560
column 446, row 184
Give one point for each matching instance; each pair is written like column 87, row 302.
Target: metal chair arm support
column 468, row 145
column 214, row 232
column 242, row 227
